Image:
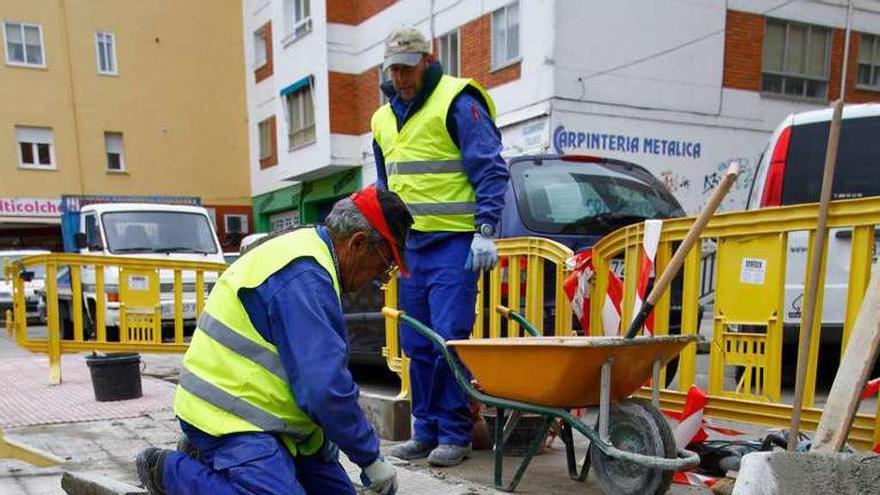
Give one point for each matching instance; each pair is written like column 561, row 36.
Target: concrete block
column 84, row 483
column 390, row 416
column 808, row 473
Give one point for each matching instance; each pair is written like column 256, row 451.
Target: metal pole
column 849, row 8
column 816, row 256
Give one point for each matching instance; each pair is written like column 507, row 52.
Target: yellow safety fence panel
column 110, row 304
column 745, row 353
column 523, row 263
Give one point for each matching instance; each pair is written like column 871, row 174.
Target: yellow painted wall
column 178, row 99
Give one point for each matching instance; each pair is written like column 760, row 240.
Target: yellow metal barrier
column 521, row 270
column 148, row 294
column 748, row 318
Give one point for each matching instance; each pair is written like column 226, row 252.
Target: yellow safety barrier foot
column 13, row 450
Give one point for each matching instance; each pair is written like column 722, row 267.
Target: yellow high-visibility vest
column 423, row 164
column 233, row 380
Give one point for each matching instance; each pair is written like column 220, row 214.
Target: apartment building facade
column 682, row 87
column 120, row 98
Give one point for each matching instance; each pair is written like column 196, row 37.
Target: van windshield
column 158, row 232
column 858, row 161
column 569, row 197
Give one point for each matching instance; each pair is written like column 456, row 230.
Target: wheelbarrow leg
column 499, row 447
column 604, row 400
column 655, row 383
column 578, row 475
column 536, row 445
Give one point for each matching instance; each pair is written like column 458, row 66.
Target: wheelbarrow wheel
column 635, row 426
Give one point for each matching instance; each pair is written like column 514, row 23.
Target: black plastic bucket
column 523, row 434
column 115, row 376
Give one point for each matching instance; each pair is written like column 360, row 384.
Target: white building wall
column 653, row 70
column 625, row 68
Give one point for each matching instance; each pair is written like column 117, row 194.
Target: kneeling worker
column 265, row 395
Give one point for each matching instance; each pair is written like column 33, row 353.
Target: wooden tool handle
column 694, row 233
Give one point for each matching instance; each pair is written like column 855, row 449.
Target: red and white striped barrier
column 578, row 285
column 650, row 241
column 694, row 479
column 872, row 388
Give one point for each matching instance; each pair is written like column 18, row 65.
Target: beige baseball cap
column 406, row 46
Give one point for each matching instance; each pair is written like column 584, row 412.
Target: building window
column 261, row 49
column 24, row 44
column 449, row 54
column 300, row 117
column 869, row 62
column 299, row 18
column 266, row 150
column 36, row 148
column 505, row 35
column 796, row 58
column 236, row 224
column 105, row 50
column 115, row 155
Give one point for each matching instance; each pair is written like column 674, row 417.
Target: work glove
column 380, row 477
column 483, row 255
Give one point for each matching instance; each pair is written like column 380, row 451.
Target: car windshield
column 555, row 196
column 39, row 271
column 158, row 232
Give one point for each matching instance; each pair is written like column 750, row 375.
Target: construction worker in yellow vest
column 265, row 396
column 436, row 145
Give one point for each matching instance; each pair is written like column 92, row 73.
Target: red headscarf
column 367, row 201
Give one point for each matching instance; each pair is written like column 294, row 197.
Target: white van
column 790, row 173
column 151, row 231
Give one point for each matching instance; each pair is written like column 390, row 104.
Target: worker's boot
column 449, row 455
column 410, row 450
column 149, row 468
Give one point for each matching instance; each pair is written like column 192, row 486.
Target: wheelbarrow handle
column 523, row 322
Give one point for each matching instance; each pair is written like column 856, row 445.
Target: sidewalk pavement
column 103, row 438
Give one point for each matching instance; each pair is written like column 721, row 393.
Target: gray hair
column 346, row 219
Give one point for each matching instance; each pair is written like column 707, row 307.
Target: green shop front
column 304, row 203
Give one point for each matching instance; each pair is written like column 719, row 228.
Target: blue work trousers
column 252, row 464
column 441, row 294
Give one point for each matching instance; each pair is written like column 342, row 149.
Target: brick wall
column 229, row 241
column 743, row 50
column 272, row 159
column 853, row 95
column 353, row 99
column 476, row 54
column 354, row 12
column 265, row 70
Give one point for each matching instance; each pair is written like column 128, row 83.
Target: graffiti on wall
column 738, row 195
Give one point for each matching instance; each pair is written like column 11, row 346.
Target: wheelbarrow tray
column 564, row 371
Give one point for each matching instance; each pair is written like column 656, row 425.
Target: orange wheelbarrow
column 632, row 450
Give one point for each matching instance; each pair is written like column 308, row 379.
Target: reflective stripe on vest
column 423, row 163
column 439, row 209
column 427, row 167
column 233, row 380
column 241, row 408
column 240, row 345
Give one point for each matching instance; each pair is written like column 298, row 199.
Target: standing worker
column 436, row 145
column 265, row 396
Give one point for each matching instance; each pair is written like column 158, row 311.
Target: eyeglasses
column 386, row 275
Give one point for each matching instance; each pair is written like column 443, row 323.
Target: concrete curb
column 80, row 483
